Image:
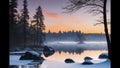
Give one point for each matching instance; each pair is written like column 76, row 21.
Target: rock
column 48, row 51
column 87, row 60
column 103, row 56
column 87, row 63
column 31, row 55
column 69, row 60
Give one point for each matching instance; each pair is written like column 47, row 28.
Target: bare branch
column 97, row 24
column 94, row 5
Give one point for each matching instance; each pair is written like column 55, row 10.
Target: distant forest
column 74, row 36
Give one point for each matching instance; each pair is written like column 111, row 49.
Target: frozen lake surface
column 66, row 50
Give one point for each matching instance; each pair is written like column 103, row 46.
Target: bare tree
column 93, row 6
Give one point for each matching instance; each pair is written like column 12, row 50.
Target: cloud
column 51, row 14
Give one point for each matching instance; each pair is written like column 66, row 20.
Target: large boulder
column 87, row 61
column 103, row 55
column 48, row 51
column 69, row 60
column 31, row 55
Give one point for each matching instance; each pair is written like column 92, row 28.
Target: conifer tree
column 12, row 21
column 24, row 20
column 40, row 27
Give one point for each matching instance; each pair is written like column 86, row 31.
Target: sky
column 55, row 20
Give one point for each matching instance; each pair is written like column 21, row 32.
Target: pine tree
column 12, row 21
column 24, row 20
column 12, row 12
column 40, row 27
column 49, row 32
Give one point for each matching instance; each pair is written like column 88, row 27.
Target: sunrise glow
column 55, row 20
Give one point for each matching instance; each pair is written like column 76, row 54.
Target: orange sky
column 56, row 22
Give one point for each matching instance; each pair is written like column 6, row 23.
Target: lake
column 60, row 57
column 65, row 50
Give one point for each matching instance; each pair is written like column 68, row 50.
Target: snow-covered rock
column 87, row 60
column 35, row 53
column 103, row 55
column 47, row 51
column 31, row 55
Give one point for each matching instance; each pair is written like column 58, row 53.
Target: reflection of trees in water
column 70, row 51
column 68, row 48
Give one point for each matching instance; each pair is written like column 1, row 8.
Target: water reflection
column 24, row 66
column 57, row 56
column 72, row 47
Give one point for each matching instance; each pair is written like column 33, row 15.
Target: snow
column 23, row 52
column 67, row 46
column 51, row 64
column 18, row 52
column 101, row 63
column 14, row 60
column 35, row 53
column 75, row 42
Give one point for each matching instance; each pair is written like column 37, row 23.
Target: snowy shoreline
column 65, row 46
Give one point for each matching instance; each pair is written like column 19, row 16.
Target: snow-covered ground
column 14, row 60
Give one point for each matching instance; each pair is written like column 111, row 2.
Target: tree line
column 22, row 31
column 66, row 36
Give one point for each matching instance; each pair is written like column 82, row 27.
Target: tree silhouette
column 96, row 7
column 12, row 21
column 40, row 27
column 24, row 20
column 49, row 32
column 80, row 37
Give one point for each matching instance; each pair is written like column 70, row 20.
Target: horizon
column 56, row 20
column 74, row 31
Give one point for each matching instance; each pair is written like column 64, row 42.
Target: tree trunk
column 106, row 29
column 24, row 35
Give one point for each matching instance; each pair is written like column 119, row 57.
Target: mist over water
column 75, row 50
column 72, row 50
column 75, row 47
